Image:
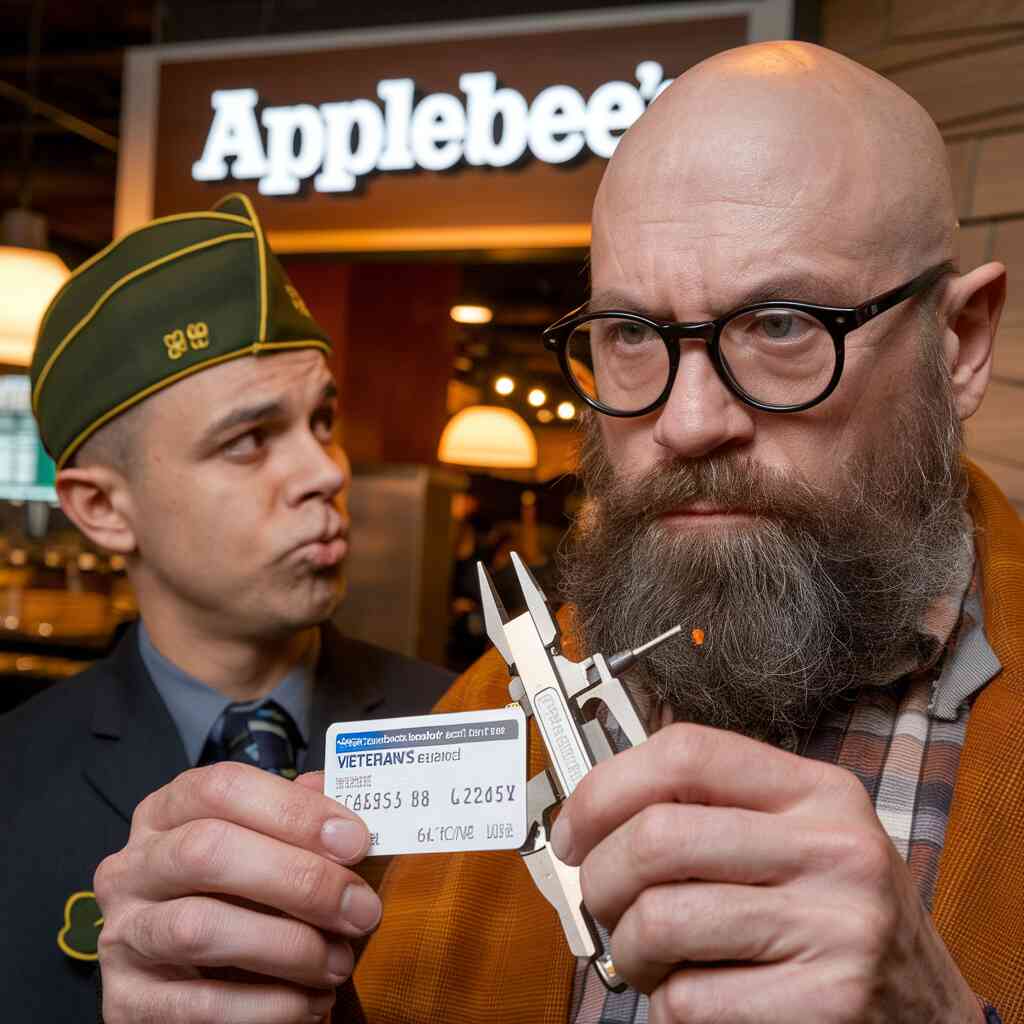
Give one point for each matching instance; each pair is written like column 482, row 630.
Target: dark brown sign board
column 477, row 135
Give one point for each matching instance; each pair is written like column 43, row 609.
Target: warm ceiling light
column 29, row 279
column 504, row 385
column 545, row 415
column 566, row 410
column 537, row 397
column 469, row 314
column 489, row 436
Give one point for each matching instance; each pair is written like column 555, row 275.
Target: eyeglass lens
column 778, row 356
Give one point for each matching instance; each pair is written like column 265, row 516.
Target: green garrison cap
column 176, row 296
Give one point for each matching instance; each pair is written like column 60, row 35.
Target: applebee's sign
column 338, row 143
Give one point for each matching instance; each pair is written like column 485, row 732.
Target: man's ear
column 971, row 309
column 97, row 501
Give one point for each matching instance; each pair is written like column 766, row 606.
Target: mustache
column 728, row 480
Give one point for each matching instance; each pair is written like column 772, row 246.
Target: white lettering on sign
column 235, row 133
column 485, row 103
column 355, row 137
column 337, row 144
column 295, row 147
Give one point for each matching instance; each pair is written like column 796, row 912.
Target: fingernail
column 561, row 838
column 361, row 907
column 340, row 961
column 346, row 840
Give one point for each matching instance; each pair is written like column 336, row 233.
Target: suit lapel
column 135, row 747
column 346, row 691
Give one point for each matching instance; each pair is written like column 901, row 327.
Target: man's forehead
column 729, row 220
column 288, row 378
column 716, row 259
column 759, row 284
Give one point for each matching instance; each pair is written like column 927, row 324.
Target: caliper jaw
column 553, row 691
column 559, row 884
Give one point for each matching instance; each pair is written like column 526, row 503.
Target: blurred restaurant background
column 426, row 174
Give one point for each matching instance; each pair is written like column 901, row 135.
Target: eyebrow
column 260, row 413
column 808, row 288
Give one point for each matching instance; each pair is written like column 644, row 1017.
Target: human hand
column 231, row 902
column 744, row 884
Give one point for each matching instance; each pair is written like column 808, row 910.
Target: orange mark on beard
column 697, row 636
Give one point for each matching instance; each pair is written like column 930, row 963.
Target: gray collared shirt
column 196, row 707
column 973, row 664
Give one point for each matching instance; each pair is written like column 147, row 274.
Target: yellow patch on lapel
column 82, row 923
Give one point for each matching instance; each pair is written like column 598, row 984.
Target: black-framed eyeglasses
column 774, row 356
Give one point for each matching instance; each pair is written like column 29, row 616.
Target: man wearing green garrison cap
column 184, row 391
column 184, row 293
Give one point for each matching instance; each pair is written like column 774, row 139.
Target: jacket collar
column 347, row 689
column 135, row 745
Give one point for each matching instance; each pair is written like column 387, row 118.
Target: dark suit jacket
column 78, row 758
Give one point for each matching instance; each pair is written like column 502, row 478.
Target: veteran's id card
column 433, row 783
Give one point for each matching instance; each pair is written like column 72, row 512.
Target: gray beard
column 825, row 592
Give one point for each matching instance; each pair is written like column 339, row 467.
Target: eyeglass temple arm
column 880, row 303
column 551, row 334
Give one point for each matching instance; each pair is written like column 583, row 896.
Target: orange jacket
column 467, row 937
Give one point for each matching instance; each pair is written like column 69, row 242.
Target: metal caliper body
column 553, row 690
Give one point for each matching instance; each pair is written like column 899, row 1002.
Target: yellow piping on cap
column 120, row 283
column 250, row 350
column 92, row 260
column 261, row 249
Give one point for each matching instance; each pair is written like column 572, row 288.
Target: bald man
column 778, row 354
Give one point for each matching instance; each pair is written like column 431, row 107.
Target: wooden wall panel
column 974, row 246
column 1008, row 247
column 976, row 128
column 956, row 88
column 918, row 17
column 962, row 163
column 1008, row 364
column 999, row 176
column 994, row 437
column 894, row 56
column 855, row 26
column 994, row 430
column 963, row 60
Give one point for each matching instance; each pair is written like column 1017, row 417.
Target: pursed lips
column 328, row 546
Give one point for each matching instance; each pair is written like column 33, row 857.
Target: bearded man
column 825, row 824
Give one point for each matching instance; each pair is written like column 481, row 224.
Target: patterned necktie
column 262, row 734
